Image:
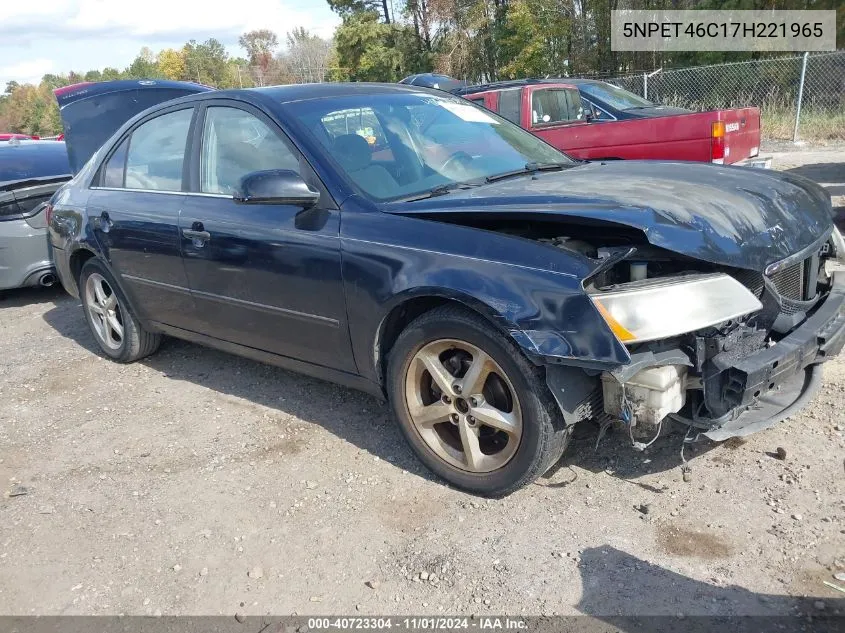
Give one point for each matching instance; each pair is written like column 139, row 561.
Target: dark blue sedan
column 408, row 243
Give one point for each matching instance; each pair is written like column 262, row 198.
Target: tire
column 134, row 341
column 542, row 435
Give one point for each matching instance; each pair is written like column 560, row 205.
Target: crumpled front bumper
column 776, row 382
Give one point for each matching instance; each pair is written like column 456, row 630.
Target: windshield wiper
column 439, row 190
column 530, row 168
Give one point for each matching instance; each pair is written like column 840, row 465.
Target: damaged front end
column 725, row 351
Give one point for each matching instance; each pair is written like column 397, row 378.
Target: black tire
column 136, row 341
column 544, row 435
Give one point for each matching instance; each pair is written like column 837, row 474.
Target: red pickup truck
column 572, row 116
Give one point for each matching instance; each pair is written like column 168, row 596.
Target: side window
column 157, row 152
column 236, row 143
column 597, row 112
column 478, row 101
column 555, row 105
column 115, row 169
column 509, row 101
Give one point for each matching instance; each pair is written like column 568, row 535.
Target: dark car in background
column 30, row 172
column 433, row 80
column 494, row 290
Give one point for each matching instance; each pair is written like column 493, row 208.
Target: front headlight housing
column 661, row 308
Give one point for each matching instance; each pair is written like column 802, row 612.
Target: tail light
column 48, row 213
column 717, row 142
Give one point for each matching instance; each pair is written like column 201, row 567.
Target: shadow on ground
column 832, row 177
column 613, row 454
column 20, row 297
column 355, row 416
column 829, row 175
column 617, row 584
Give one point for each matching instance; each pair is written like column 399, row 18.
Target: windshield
column 395, row 146
column 615, row 97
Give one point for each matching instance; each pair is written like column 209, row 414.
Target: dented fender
column 543, row 309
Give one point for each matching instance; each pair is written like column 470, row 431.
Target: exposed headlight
column 661, row 308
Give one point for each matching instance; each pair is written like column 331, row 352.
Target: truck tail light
column 717, row 142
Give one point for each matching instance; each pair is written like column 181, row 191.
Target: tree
column 307, row 56
column 110, row 74
column 171, row 64
column 260, row 46
column 207, row 63
column 144, row 66
column 368, row 50
column 348, row 8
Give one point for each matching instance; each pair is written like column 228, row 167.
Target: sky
column 57, row 36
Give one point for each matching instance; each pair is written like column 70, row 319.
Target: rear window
column 509, row 104
column 157, row 152
column 555, row 105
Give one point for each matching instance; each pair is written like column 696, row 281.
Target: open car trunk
column 92, row 112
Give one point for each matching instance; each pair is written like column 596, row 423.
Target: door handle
column 191, row 234
column 105, row 222
column 197, row 234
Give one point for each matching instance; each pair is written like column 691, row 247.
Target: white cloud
column 62, row 35
column 29, row 71
column 164, row 18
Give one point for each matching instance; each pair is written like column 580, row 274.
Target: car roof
column 518, row 83
column 300, row 92
column 24, row 159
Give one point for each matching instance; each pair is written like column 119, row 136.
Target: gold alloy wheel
column 463, row 406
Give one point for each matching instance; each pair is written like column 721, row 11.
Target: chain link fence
column 801, row 97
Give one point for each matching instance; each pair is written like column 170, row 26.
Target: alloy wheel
column 463, row 405
column 104, row 310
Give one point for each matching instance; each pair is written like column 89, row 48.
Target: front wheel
column 474, row 410
column 118, row 332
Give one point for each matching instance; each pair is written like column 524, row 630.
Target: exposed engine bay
column 701, row 370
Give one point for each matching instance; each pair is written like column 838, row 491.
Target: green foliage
column 369, row 50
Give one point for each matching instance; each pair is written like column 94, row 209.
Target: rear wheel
column 475, row 411
column 118, row 333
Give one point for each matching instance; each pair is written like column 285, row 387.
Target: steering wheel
column 458, row 159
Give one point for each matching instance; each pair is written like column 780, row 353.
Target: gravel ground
column 195, row 482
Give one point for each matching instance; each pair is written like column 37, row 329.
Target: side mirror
column 276, row 186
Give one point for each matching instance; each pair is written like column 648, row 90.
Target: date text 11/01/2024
column 489, row 623
column 723, row 29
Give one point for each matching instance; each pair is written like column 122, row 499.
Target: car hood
column 741, row 217
column 92, row 112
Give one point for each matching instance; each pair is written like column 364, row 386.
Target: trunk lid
column 730, row 216
column 92, row 112
column 742, row 133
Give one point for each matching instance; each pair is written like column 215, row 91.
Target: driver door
column 265, row 276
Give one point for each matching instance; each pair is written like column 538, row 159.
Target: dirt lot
column 199, row 483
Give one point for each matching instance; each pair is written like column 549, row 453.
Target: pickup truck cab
column 593, row 120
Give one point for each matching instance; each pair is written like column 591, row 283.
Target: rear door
column 134, row 210
column 266, row 276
